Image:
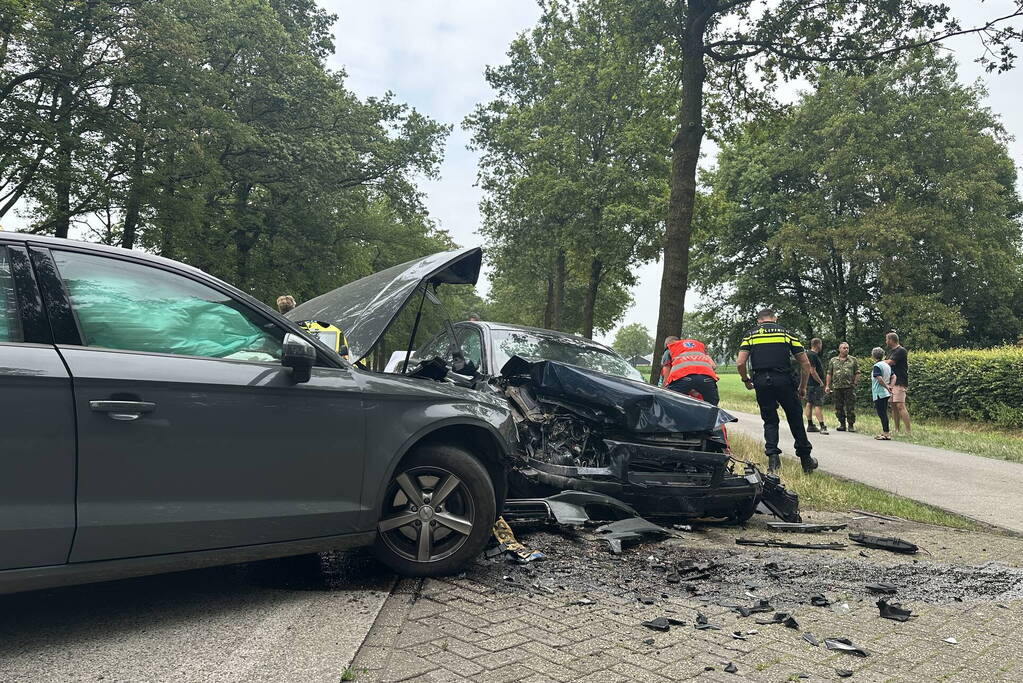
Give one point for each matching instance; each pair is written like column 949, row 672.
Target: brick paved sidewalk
column 503, row 622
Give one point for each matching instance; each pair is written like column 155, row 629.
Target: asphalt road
column 269, row 621
column 982, row 488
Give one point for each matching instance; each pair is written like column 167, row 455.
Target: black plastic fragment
column 774, row 543
column 882, row 588
column 843, row 673
column 658, row 624
column 845, row 645
column 648, row 641
column 805, row 527
column 818, row 600
column 781, row 618
column 809, row 637
column 890, row 543
column 762, row 605
column 645, row 599
column 738, row 635
column 893, row 611
column 731, row 668
column 702, row 624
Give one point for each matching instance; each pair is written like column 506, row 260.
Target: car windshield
column 508, row 343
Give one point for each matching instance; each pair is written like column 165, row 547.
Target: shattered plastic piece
column 843, row 673
column 645, row 599
column 614, row 545
column 890, row 543
column 762, row 606
column 731, row 668
column 703, row 625
column 774, row 543
column 809, row 637
column 738, row 635
column 512, row 548
column 632, row 529
column 781, row 618
column 648, row 641
column 951, row 641
column 783, row 503
column 658, row 624
column 845, row 645
column 882, row 588
column 893, row 611
column 805, row 527
column 818, row 600
column 584, row 601
column 676, row 622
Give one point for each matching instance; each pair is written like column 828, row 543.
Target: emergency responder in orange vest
column 692, row 371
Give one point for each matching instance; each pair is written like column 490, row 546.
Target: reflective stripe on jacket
column 685, row 361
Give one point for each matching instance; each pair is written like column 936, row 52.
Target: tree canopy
column 880, row 201
column 632, row 340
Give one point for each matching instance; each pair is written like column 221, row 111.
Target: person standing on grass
column 880, row 375
column 843, row 372
column 768, row 348
column 815, row 388
column 898, row 359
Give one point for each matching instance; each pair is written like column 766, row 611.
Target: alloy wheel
column 428, row 514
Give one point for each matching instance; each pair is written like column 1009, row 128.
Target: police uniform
column 771, row 348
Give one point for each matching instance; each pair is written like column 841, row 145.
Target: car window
column 10, row 321
column 472, row 345
column 508, row 343
column 438, row 346
column 133, row 307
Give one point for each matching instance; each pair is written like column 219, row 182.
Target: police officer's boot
column 773, row 463
column 809, row 464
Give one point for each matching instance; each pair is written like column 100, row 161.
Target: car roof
column 542, row 332
column 46, row 240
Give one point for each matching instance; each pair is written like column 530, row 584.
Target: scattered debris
column 762, row 606
column 818, row 600
column 658, row 624
column 646, row 599
column 781, row 618
column 890, row 543
column 809, row 637
column 893, row 611
column 702, row 624
column 511, row 547
column 951, row 641
column 845, row 645
column 805, row 527
column 843, row 673
column 731, row 668
column 774, row 543
column 877, row 516
column 632, row 529
column 648, row 641
column 738, row 635
column 584, row 601
column 882, row 588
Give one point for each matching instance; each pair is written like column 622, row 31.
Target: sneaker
column 811, row 428
column 773, row 463
column 824, row 428
column 809, row 465
column 841, row 428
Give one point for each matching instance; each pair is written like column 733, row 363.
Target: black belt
column 780, row 371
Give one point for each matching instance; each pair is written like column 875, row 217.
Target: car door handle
column 123, row 411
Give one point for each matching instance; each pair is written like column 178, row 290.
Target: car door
column 191, row 435
column 37, row 426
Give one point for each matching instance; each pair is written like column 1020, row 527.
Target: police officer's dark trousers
column 774, row 389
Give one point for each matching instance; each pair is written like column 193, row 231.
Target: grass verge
column 820, row 491
column 955, row 435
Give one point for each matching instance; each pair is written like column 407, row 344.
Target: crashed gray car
column 157, row 419
column 585, row 421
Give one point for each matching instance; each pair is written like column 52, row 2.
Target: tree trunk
column 548, row 304
column 558, row 302
column 590, row 301
column 685, row 156
column 62, row 192
column 133, row 205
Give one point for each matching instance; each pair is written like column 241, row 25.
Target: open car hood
column 630, row 405
column 364, row 309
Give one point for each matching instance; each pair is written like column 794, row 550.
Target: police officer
column 768, row 348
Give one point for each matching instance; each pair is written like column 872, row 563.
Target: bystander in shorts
column 815, row 395
column 898, row 394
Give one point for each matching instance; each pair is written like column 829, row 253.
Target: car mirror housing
column 299, row 355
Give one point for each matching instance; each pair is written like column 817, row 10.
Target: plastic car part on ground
column 893, row 611
column 633, row 529
column 845, row 645
column 568, row 508
column 804, row 527
column 774, row 543
column 890, row 543
column 882, row 588
column 508, row 545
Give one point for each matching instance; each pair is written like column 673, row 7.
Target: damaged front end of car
column 662, row 453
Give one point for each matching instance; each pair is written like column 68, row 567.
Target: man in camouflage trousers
column 843, row 372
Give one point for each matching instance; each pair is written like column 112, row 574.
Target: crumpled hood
column 635, row 406
column 364, row 309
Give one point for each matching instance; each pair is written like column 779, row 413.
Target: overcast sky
column 431, row 54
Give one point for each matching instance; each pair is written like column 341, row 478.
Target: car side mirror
column 299, row 355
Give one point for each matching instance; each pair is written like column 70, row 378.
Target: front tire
column 437, row 512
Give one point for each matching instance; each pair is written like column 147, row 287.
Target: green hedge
column 966, row 384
